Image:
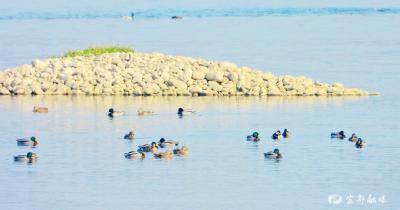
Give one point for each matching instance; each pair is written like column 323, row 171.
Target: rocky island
column 133, row 73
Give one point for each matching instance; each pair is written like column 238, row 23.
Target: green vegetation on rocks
column 98, row 51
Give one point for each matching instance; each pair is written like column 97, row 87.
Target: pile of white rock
column 155, row 74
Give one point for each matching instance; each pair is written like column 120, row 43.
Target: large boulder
column 215, row 76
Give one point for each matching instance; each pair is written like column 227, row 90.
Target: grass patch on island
column 98, row 51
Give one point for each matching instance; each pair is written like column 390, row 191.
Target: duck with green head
column 27, row 141
column 30, row 157
column 273, row 154
column 254, row 137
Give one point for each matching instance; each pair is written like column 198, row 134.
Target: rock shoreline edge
column 156, row 74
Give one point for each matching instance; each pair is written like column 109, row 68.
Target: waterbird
column 134, row 155
column 182, row 111
column 27, row 141
column 128, row 18
column 360, row 143
column 286, row 133
column 142, row 112
column 164, row 155
column 153, row 147
column 167, row 143
column 40, row 109
column 277, row 135
column 176, row 17
column 30, row 156
column 339, row 135
column 113, row 113
column 253, row 137
column 183, row 151
column 353, row 137
column 130, row 135
column 273, row 154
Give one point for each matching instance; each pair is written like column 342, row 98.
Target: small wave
column 197, row 13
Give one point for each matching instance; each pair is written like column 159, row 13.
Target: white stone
column 214, row 76
column 140, row 73
column 214, row 86
column 233, row 76
column 198, row 75
column 4, row 91
column 195, row 89
column 39, row 64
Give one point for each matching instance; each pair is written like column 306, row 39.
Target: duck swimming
column 286, row 133
column 141, row 112
column 253, row 137
column 153, row 147
column 27, row 142
column 40, row 109
column 130, row 135
column 277, row 135
column 273, row 154
column 353, row 137
column 113, row 113
column 182, row 111
column 164, row 155
column 167, row 143
column 360, row 143
column 183, row 151
column 176, row 17
column 30, row 157
column 134, row 155
column 339, row 135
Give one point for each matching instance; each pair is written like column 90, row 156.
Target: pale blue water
column 81, row 164
column 195, row 13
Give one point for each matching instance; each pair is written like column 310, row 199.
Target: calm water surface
column 81, row 164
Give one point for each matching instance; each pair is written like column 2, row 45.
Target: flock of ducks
column 277, row 135
column 353, row 138
column 30, row 157
column 162, row 148
column 275, row 154
column 155, row 149
column 166, row 149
